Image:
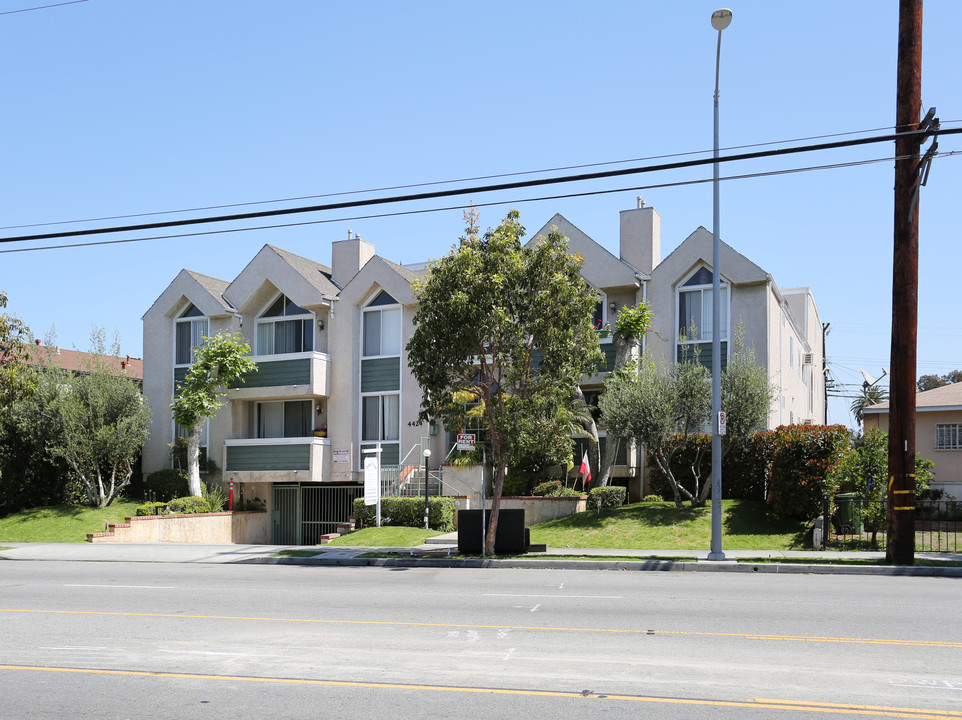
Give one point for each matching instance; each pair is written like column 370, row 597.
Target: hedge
column 190, row 505
column 553, row 488
column 408, row 512
column 165, row 485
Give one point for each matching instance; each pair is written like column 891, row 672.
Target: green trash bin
column 848, row 516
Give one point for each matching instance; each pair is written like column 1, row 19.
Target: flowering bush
column 802, row 464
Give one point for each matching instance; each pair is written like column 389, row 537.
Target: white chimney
column 641, row 237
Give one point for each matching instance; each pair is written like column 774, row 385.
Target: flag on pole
column 585, row 469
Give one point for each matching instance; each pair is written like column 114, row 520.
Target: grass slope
column 63, row 523
column 746, row 525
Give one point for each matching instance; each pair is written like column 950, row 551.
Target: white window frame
column 948, row 436
column 199, row 329
column 379, row 310
column 307, row 317
column 703, row 337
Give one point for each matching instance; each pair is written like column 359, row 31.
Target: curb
column 618, row 565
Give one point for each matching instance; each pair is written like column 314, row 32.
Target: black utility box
column 510, row 539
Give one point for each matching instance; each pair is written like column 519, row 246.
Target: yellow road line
column 389, row 623
column 807, row 703
column 757, row 704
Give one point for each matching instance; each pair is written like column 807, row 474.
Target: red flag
column 585, row 469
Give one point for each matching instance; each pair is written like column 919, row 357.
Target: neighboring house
column 333, row 379
column 79, row 362
column 938, row 433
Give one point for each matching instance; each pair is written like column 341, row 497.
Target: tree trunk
column 193, row 460
column 495, row 509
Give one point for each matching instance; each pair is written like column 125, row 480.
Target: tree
column 930, row 382
column 221, row 361
column 631, row 325
column 101, row 423
column 14, row 341
column 863, row 470
column 871, row 395
column 651, row 406
column 513, row 325
column 663, row 409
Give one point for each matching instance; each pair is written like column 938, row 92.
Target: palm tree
column 871, row 395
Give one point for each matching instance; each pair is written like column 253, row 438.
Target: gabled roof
column 698, row 247
column 947, row 397
column 601, row 268
column 316, row 274
column 206, row 292
column 305, row 281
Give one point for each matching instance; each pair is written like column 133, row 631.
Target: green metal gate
column 301, row 513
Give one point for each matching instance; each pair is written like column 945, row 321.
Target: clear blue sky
column 115, row 107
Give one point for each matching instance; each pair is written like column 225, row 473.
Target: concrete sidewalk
column 436, row 554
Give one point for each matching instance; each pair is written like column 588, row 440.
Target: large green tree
column 102, row 424
column 930, row 382
column 513, row 325
column 219, row 362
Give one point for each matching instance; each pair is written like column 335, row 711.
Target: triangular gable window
column 382, row 299
column 283, row 306
column 702, row 276
column 191, row 311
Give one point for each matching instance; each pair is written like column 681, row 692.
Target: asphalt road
column 125, row 640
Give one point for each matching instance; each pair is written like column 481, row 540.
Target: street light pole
column 427, row 456
column 720, row 19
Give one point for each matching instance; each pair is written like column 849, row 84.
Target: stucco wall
column 246, row 528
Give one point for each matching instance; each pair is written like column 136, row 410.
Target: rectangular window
column 188, row 335
column 380, row 417
column 695, row 311
column 948, row 436
column 285, row 336
column 284, row 419
column 382, row 332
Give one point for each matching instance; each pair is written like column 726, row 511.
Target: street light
column 720, row 19
column 427, row 456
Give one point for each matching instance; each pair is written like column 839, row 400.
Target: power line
column 443, row 182
column 41, row 7
column 423, row 211
column 477, row 189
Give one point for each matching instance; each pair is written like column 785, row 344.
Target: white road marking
column 535, row 607
column 562, row 597
column 135, row 587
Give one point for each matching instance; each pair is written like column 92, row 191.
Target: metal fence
column 858, row 525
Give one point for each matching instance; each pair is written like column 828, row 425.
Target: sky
column 116, row 108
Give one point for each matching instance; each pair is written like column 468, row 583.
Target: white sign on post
column 371, row 480
column 466, row 441
column 722, row 422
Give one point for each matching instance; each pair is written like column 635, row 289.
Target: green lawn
column 657, row 526
column 392, row 536
column 746, row 525
column 63, row 523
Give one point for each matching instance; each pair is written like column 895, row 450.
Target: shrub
column 802, row 465
column 151, row 508
column 214, row 495
column 516, row 483
column 611, row 496
column 554, row 488
column 165, row 485
column 408, row 512
column 189, row 505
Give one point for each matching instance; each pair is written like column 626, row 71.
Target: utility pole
column 900, row 548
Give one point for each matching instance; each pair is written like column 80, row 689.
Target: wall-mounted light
column 320, row 324
column 611, row 306
column 319, row 408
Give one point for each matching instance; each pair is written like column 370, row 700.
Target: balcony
column 278, row 459
column 290, row 375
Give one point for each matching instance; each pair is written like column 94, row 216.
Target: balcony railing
column 292, row 374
